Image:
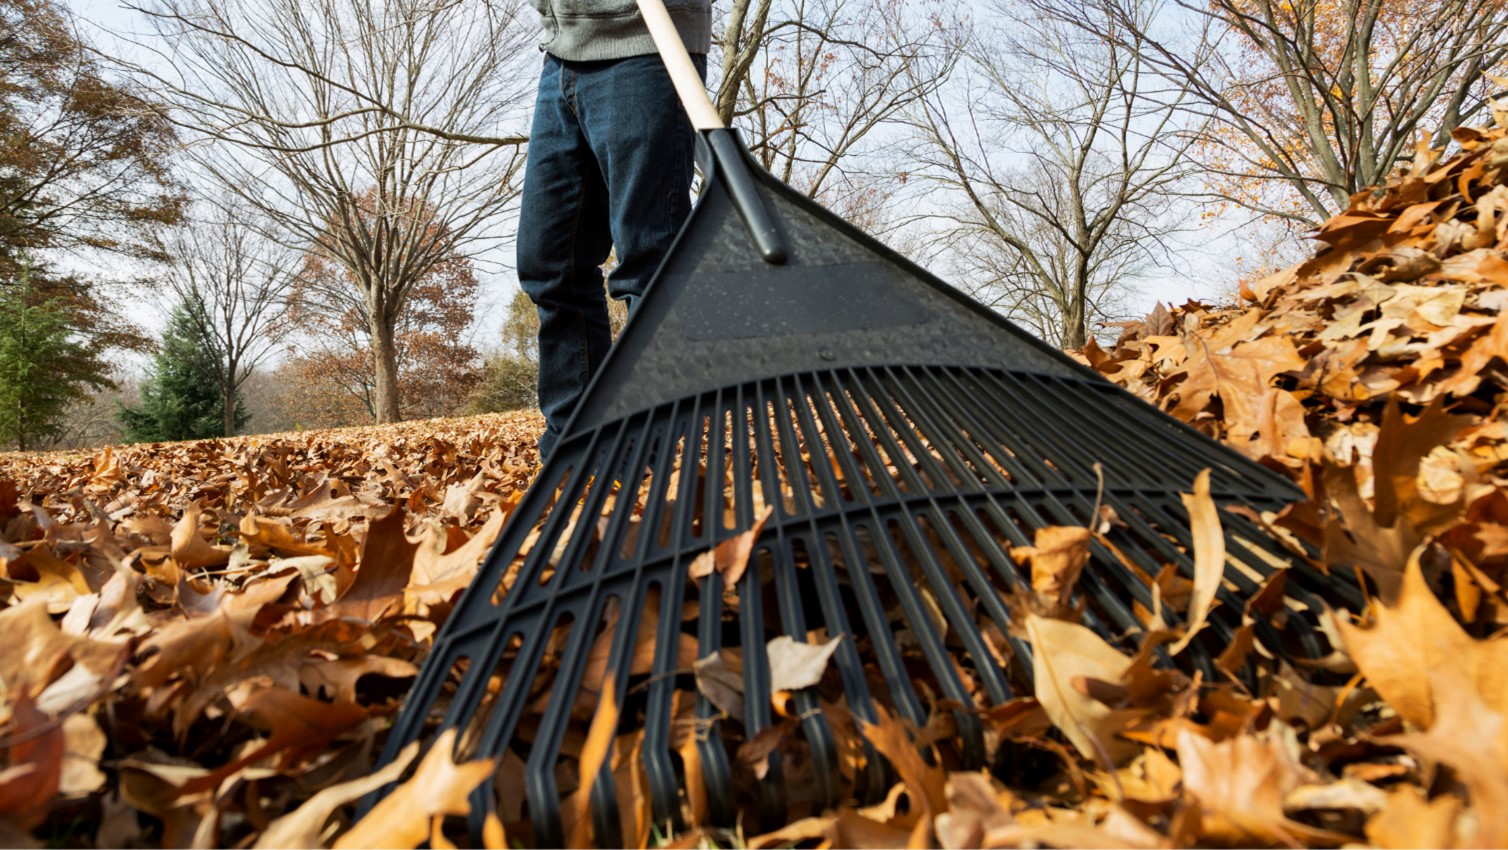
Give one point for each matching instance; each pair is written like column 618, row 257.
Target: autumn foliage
column 209, row 640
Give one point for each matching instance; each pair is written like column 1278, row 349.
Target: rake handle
column 683, row 74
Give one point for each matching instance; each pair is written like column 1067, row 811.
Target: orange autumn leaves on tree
column 333, row 362
column 1320, row 99
column 383, row 329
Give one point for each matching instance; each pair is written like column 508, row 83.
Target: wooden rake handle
column 683, row 74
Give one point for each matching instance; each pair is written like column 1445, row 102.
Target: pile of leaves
column 210, row 640
column 204, row 635
column 1375, row 374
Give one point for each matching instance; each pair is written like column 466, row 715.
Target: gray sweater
column 586, row 30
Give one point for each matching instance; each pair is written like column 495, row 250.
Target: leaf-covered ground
column 209, row 640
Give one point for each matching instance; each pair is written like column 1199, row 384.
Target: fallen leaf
column 731, row 557
column 305, row 826
column 84, row 746
column 1408, row 820
column 1065, row 656
column 1209, row 557
column 189, row 549
column 1057, row 556
column 721, row 683
column 34, row 764
column 1239, row 785
column 438, row 788
column 1417, row 637
column 795, row 665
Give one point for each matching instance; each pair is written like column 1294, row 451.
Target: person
column 610, row 167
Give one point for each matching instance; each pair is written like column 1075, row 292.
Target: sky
column 1203, row 270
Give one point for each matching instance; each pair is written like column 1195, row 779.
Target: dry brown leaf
column 459, row 564
column 1417, row 637
column 1057, row 556
column 721, row 682
column 305, row 826
column 189, row 549
column 438, row 788
column 1239, row 785
column 34, row 765
column 1209, row 557
column 927, row 783
column 386, row 564
column 575, row 814
column 795, row 665
column 1410, row 821
column 84, row 746
column 731, row 557
column 1470, row 736
column 1065, row 658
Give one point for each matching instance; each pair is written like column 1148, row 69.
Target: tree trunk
column 228, row 410
column 1074, row 335
column 385, row 369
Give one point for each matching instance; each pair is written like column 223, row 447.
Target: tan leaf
column 575, row 813
column 189, row 549
column 1057, row 557
column 34, row 758
column 1470, row 735
column 305, row 826
column 383, row 571
column 795, row 665
column 431, row 566
column 438, row 788
column 85, row 744
column 927, row 783
column 1416, row 637
column 1065, row 656
column 1409, row 820
column 721, row 682
column 1209, row 556
column 1239, row 785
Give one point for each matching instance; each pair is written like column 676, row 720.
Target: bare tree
column 369, row 131
column 1058, row 152
column 815, row 85
column 234, row 279
column 1306, row 102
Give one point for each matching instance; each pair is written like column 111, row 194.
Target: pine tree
column 180, row 399
column 44, row 367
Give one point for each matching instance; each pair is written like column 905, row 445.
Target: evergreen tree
column 44, row 367
column 180, row 399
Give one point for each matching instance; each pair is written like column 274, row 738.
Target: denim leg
column 644, row 143
column 563, row 238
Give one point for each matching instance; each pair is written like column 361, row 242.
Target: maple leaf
column 1239, row 786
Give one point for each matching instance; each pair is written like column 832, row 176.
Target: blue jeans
column 610, row 164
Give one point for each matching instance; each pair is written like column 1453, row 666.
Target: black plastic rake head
column 901, row 438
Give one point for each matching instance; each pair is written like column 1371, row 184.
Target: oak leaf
column 1057, row 556
column 1415, row 637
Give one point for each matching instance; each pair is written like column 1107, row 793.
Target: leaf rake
column 896, row 439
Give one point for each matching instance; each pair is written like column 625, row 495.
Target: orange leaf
column 1209, row 556
column 731, row 557
column 438, row 788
